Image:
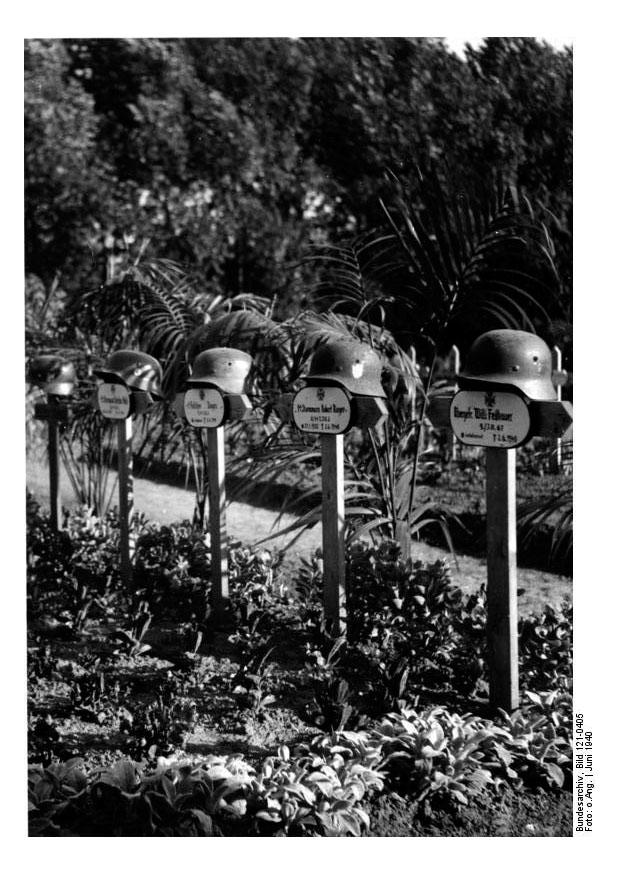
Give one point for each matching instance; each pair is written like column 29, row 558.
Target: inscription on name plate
column 113, row 401
column 489, row 419
column 322, row 410
column 204, row 408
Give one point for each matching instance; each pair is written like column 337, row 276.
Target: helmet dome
column 135, row 369
column 349, row 363
column 55, row 375
column 514, row 358
column 222, row 367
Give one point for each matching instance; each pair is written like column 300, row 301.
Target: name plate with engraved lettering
column 490, row 419
column 322, row 410
column 113, row 401
column 204, row 408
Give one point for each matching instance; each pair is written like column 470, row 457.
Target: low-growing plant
column 97, row 700
column 131, row 642
column 317, row 790
column 43, row 740
column 332, row 707
column 546, row 648
column 96, row 548
column 540, row 740
column 172, row 569
column 156, row 729
column 253, row 635
column 251, row 682
column 42, row 664
column 392, row 686
column 435, row 753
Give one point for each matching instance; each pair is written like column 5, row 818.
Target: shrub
column 410, row 610
column 172, row 570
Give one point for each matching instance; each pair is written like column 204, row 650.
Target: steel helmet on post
column 134, row 369
column 223, row 367
column 349, row 363
column 513, row 358
column 53, row 374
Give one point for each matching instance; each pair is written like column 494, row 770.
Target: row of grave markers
column 342, row 390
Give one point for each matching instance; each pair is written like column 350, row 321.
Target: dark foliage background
column 235, row 157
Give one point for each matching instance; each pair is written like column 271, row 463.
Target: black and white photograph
column 298, row 345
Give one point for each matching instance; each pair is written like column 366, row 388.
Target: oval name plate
column 113, row 401
column 322, row 410
column 204, row 408
column 489, row 419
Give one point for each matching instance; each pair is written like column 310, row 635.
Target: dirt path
column 166, row 504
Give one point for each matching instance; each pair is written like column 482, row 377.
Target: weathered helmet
column 349, row 363
column 514, row 358
column 55, row 375
column 222, row 367
column 134, row 369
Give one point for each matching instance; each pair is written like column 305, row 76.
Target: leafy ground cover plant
column 131, row 641
column 407, row 610
column 413, row 636
column 319, row 788
column 252, row 681
column 315, row 793
column 546, row 648
column 172, row 570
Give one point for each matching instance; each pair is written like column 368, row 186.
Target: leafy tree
column 65, row 178
column 232, row 156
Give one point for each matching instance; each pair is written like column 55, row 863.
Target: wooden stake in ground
column 217, row 516
column 53, row 413
column 52, row 449
column 125, row 496
column 330, row 412
column 334, row 592
column 455, row 367
column 207, row 407
column 502, row 618
column 558, row 376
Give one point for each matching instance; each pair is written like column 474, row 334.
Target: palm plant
column 449, row 264
column 376, row 475
column 468, row 261
column 153, row 305
column 554, row 513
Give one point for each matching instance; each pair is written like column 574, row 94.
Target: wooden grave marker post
column 207, row 407
column 500, row 421
column 131, row 382
column 330, row 411
column 216, row 461
column 332, row 481
column 113, row 401
column 455, row 368
column 57, row 377
column 124, row 437
column 502, row 612
column 54, row 413
column 559, row 378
